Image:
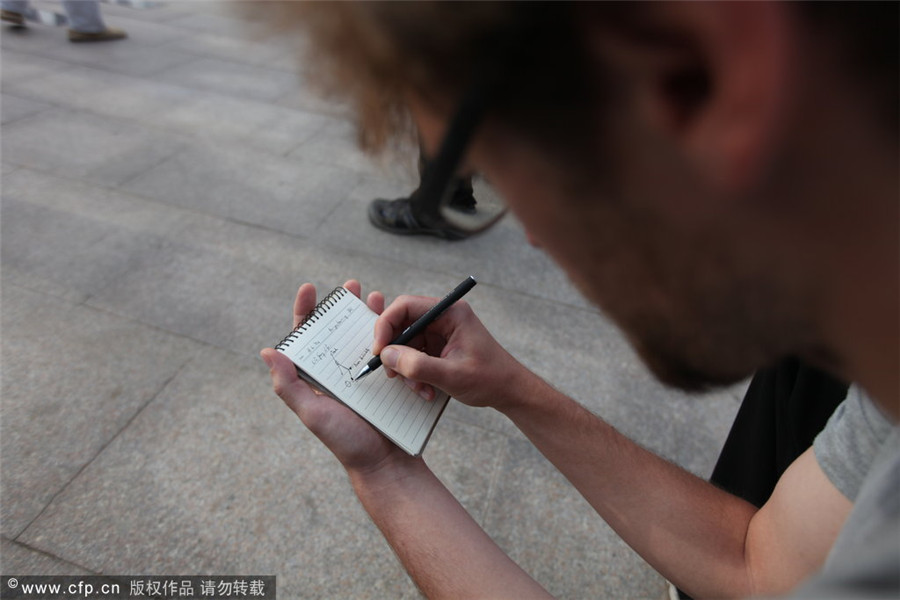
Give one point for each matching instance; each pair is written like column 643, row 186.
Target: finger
column 422, row 389
column 288, row 386
column 375, row 301
column 311, row 407
column 415, row 365
column 420, row 342
column 354, row 287
column 451, row 319
column 304, row 302
column 402, row 311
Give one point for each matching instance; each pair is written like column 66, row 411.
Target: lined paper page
column 334, row 347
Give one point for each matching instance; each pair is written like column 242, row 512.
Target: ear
column 713, row 77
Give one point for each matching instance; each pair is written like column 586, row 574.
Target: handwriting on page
column 310, row 351
column 347, row 371
column 346, row 366
column 339, row 345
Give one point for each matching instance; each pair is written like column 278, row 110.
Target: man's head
column 696, row 168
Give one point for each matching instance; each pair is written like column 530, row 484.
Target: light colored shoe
column 671, row 591
column 107, row 35
column 17, row 19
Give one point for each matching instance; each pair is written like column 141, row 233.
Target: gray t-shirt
column 849, row 442
column 865, row 559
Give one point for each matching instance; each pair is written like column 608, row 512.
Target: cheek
column 589, row 239
column 584, row 236
column 528, row 196
column 570, row 237
column 533, row 208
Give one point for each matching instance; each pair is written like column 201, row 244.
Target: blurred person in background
column 85, row 22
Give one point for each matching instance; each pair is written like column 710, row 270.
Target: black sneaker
column 396, row 216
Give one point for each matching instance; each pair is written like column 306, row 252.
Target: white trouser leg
column 84, row 15
column 16, row 6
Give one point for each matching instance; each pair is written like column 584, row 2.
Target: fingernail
column 389, row 357
column 266, row 359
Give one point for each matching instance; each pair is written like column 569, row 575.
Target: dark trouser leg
column 462, row 198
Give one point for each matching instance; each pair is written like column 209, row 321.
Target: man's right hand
column 456, row 354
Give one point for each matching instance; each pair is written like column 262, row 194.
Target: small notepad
column 332, row 344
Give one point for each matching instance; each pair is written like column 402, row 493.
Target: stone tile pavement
column 162, row 198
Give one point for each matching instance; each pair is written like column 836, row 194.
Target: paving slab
column 82, row 145
column 72, row 239
column 14, row 107
column 240, row 183
column 103, row 93
column 19, row 558
column 149, row 12
column 219, row 20
column 130, row 58
column 335, row 143
column 227, row 77
column 308, row 99
column 255, row 125
column 240, row 48
column 73, row 377
column 22, row 66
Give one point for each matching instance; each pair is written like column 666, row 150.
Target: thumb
column 285, row 381
column 415, row 365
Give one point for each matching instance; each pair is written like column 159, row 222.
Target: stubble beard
column 698, row 313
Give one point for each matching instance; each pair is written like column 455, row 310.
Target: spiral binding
column 312, row 316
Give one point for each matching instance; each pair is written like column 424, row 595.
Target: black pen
column 421, row 323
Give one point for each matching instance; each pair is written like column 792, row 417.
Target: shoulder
column 850, row 441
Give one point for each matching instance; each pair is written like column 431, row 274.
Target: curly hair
column 375, row 53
